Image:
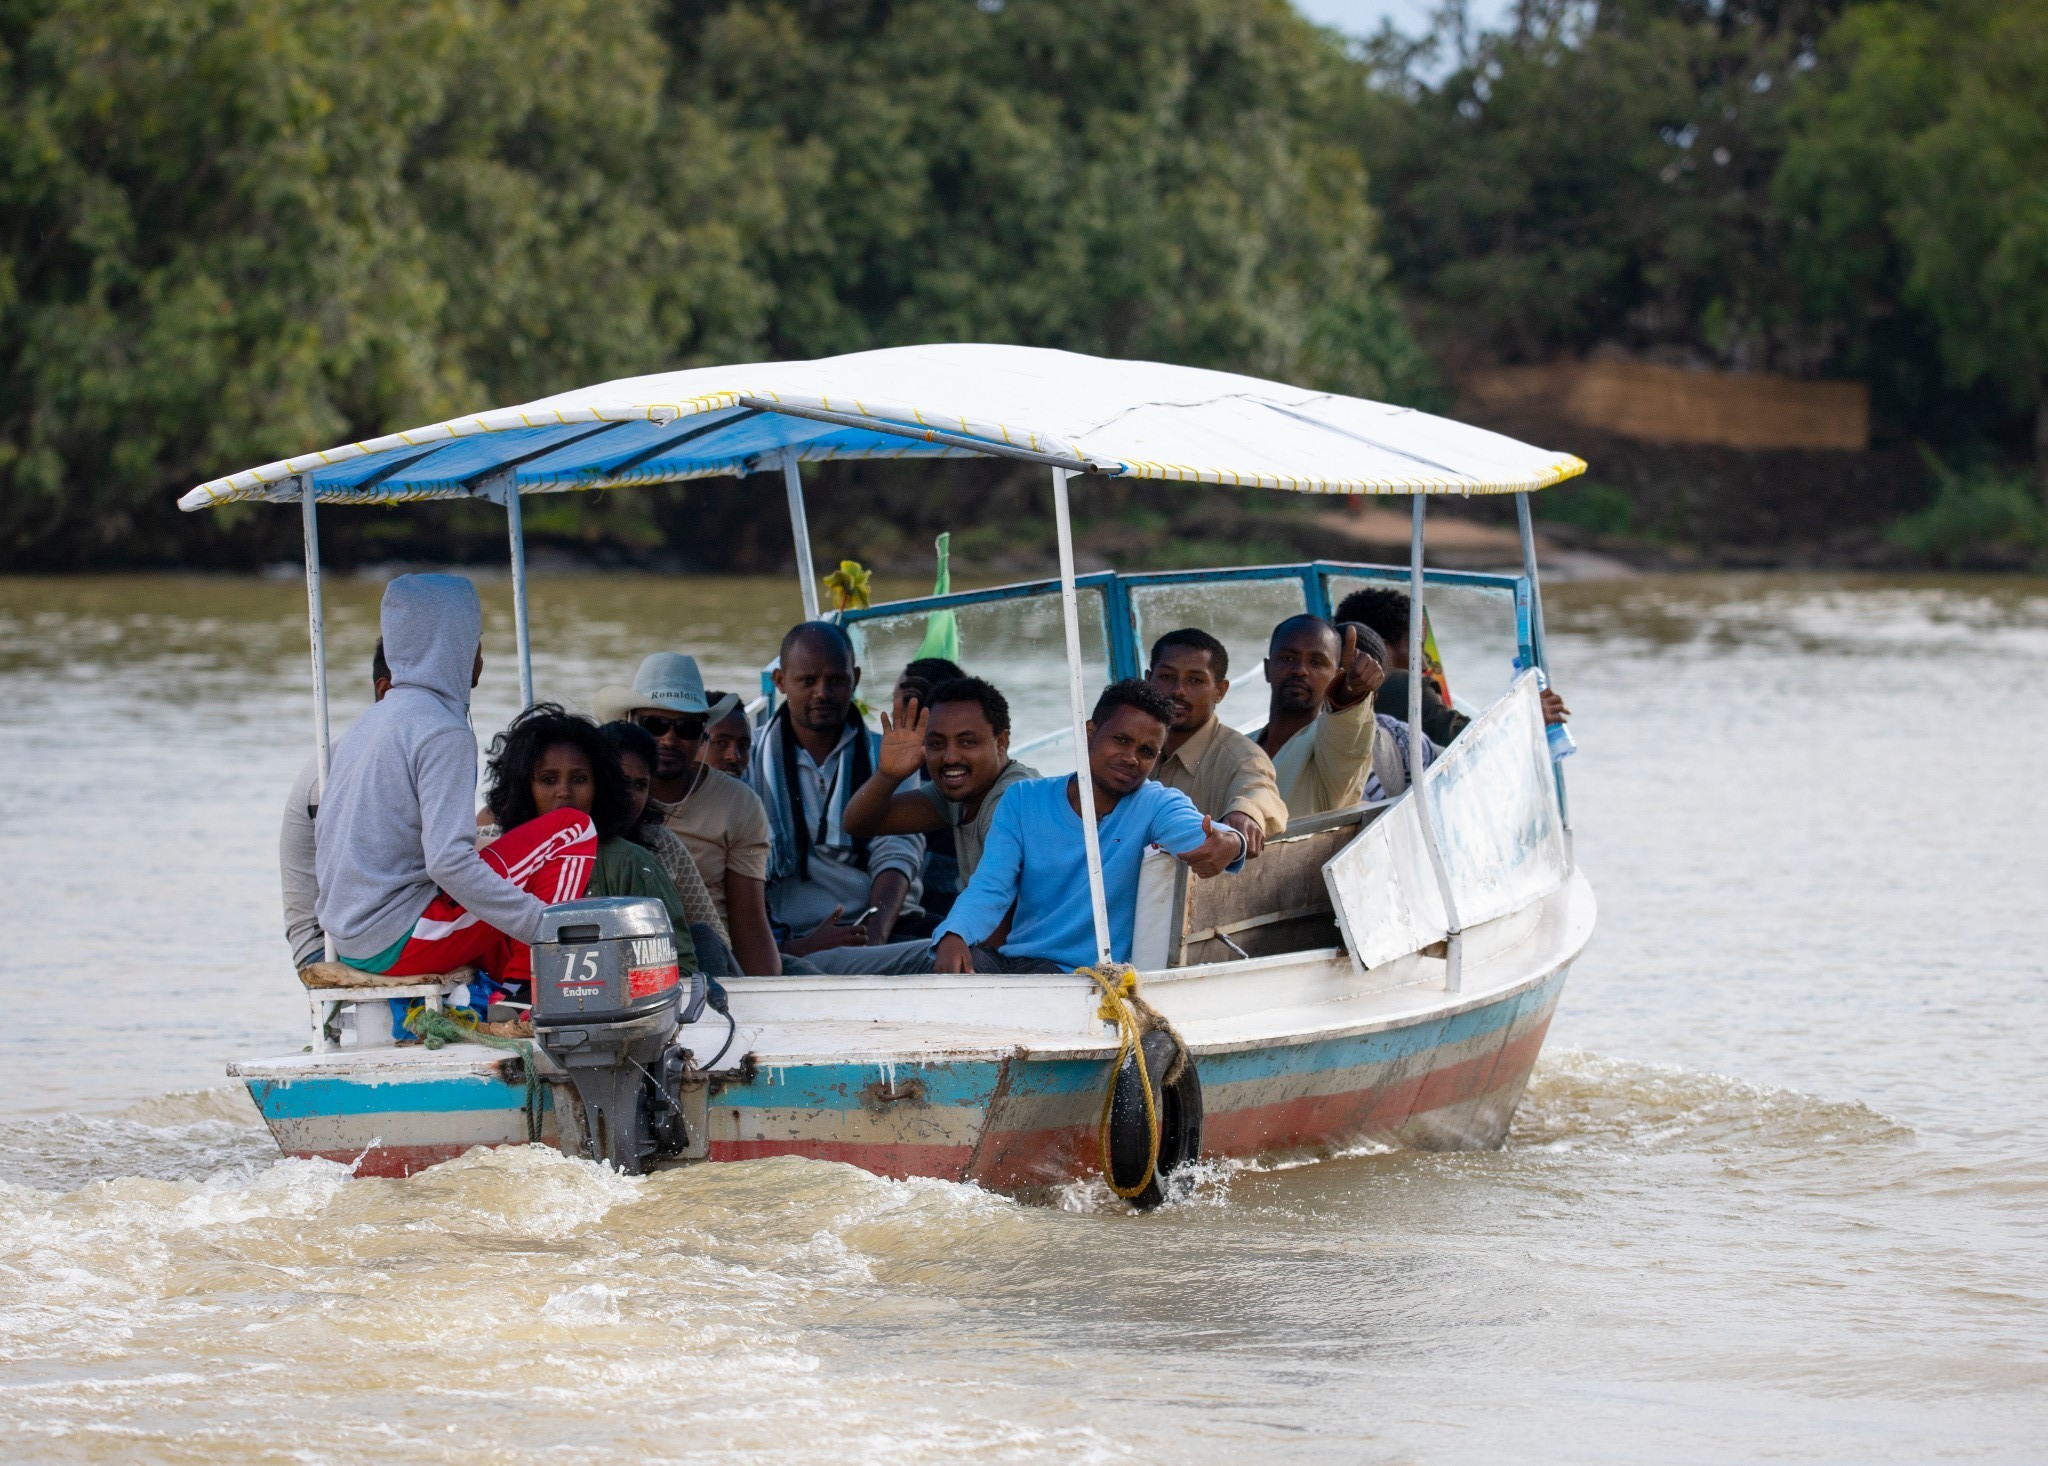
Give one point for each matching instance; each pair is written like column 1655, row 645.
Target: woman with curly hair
column 550, row 759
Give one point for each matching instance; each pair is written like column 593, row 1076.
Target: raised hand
column 1359, row 674
column 902, row 741
column 1214, row 855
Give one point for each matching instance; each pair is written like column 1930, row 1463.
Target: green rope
column 439, row 1029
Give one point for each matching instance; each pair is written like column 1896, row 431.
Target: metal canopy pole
column 1454, row 941
column 1070, row 606
column 1538, row 641
column 800, row 528
column 508, row 486
column 316, row 625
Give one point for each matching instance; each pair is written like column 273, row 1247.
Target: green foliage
column 240, row 229
column 233, row 230
column 1980, row 517
column 1599, row 173
column 1146, row 178
column 1588, row 504
column 1920, row 176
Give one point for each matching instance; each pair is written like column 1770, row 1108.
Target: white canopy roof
column 1132, row 419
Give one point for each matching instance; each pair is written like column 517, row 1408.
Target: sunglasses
column 687, row 729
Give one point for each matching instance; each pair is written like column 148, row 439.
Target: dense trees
column 232, row 229
column 235, row 229
column 1806, row 186
column 1918, row 180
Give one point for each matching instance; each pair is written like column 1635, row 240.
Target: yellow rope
column 1122, row 1006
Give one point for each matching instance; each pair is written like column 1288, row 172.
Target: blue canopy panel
column 565, row 457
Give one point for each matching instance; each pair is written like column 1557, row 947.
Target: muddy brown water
column 1777, row 1189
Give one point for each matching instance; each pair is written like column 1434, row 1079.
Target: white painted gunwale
column 1504, row 957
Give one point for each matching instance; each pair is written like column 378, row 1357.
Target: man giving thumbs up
column 1036, row 862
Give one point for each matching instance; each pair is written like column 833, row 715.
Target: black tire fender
column 1179, row 1106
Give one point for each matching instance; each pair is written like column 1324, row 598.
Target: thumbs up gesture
column 1216, row 852
column 1359, row 674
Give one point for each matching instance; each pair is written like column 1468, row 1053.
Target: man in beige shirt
column 717, row 816
column 1221, row 770
column 1321, row 732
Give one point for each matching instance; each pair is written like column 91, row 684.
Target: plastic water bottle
column 1562, row 744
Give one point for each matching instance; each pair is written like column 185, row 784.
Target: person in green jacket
column 549, row 758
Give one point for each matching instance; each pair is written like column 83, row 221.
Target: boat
column 1383, row 974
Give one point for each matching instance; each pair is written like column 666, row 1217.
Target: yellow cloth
column 1224, row 772
column 1323, row 767
column 726, row 828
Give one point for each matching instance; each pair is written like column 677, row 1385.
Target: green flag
column 941, row 630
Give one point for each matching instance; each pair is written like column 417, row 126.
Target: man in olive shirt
column 962, row 741
column 1321, row 732
column 1226, row 775
column 1385, row 610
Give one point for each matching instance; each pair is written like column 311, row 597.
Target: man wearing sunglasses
column 718, row 817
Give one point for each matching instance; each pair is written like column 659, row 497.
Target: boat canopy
column 1084, row 414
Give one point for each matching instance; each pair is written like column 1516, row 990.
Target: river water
column 1777, row 1190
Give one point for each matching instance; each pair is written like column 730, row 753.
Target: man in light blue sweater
column 403, row 889
column 1036, row 857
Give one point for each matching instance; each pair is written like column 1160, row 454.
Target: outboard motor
column 608, row 999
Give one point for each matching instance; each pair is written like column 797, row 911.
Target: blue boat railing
column 1121, row 594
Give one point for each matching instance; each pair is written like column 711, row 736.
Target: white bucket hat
column 667, row 680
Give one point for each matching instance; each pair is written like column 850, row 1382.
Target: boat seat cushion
column 319, row 975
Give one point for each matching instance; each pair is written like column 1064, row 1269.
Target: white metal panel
column 1493, row 804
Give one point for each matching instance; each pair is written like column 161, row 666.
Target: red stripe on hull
column 389, row 1162
column 1370, row 1114
column 1020, row 1158
column 898, row 1162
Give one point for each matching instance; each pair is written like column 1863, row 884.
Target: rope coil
column 1134, row 1018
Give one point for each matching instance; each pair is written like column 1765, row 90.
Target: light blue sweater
column 1036, row 856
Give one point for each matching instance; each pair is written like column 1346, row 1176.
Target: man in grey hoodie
column 295, row 858
column 403, row 888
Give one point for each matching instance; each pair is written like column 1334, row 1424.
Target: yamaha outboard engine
column 608, row 998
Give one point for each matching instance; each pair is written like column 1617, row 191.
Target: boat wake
column 1576, row 1101
column 1579, row 1102
column 1582, row 1101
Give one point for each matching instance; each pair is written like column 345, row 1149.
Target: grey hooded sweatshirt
column 398, row 819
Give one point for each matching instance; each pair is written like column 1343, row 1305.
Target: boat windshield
column 1011, row 635
column 1014, row 642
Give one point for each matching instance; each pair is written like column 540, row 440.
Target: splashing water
column 1774, row 1188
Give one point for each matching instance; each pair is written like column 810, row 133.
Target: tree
column 1150, row 178
column 1597, row 173
column 1919, row 177
column 237, row 229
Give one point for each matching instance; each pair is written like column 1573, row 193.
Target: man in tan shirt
column 1321, row 732
column 1221, row 770
column 717, row 816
